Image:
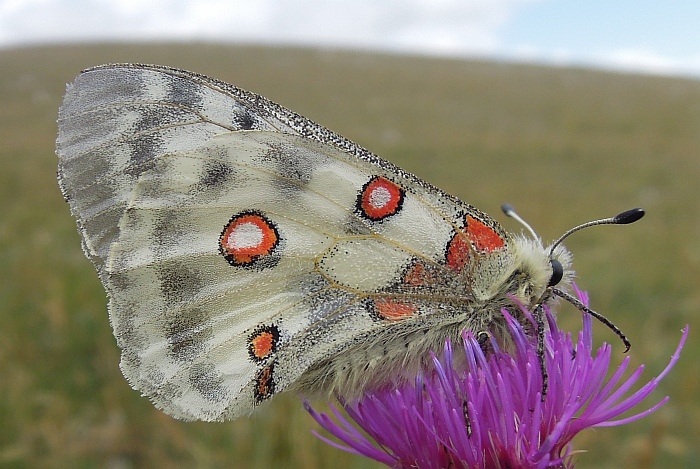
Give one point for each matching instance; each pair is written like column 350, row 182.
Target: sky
column 649, row 36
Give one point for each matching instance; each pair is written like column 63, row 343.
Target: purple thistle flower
column 491, row 415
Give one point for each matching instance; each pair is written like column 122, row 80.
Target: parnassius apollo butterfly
column 247, row 250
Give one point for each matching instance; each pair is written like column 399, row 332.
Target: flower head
column 491, row 414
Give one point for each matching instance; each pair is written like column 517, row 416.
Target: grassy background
column 563, row 145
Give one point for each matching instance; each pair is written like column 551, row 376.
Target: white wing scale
column 157, row 162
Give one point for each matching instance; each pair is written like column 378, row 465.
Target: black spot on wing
column 178, row 282
column 184, row 92
column 148, row 142
column 243, row 119
column 143, row 149
column 292, row 162
column 216, row 176
column 152, row 118
column 120, row 281
column 208, row 382
column 187, row 332
column 168, row 231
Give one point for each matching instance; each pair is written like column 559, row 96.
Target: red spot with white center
column 484, row 237
column 247, row 238
column 380, row 198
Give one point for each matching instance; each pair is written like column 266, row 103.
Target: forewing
column 242, row 244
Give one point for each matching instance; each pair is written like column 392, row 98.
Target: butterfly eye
column 483, row 338
column 557, row 272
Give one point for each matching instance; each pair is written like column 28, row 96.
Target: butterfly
column 247, row 250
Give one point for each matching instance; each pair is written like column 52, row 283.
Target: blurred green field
column 563, row 145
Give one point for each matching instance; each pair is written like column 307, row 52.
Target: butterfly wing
column 247, row 250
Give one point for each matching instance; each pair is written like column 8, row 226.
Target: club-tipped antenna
column 510, row 211
column 624, row 218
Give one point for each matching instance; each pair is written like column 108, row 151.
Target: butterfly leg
column 467, row 421
column 598, row 316
column 538, row 314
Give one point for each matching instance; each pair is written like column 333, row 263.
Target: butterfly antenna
column 510, row 211
column 624, row 218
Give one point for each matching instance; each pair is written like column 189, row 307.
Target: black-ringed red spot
column 417, row 275
column 248, row 237
column 264, row 383
column 379, row 198
column 262, row 343
column 484, row 237
column 458, row 252
column 389, row 309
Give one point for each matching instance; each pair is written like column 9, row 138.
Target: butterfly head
column 541, row 273
column 536, row 271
